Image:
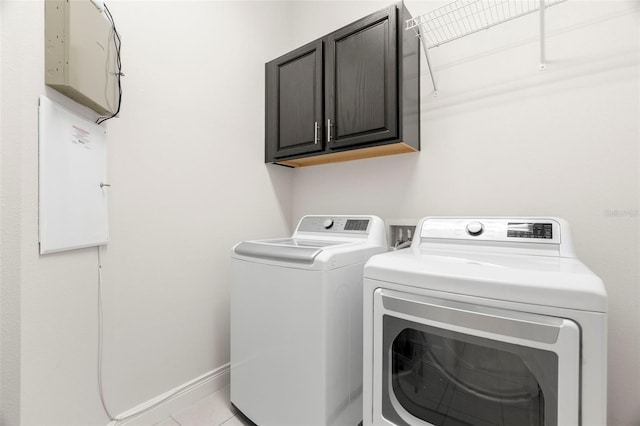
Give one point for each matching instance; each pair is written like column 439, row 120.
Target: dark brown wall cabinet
column 352, row 94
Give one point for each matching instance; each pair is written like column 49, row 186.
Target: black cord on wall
column 117, row 43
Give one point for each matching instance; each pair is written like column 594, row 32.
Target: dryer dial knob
column 328, row 223
column 475, row 228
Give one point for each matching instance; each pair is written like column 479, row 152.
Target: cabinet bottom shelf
column 355, row 154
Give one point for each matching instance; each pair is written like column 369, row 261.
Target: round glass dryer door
column 445, row 363
column 448, row 380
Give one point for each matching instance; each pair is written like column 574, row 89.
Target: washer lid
column 300, row 242
column 320, row 243
column 285, row 249
column 540, row 280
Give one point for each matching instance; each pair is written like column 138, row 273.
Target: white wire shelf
column 463, row 17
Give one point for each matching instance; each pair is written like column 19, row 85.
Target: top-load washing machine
column 484, row 321
column 296, row 322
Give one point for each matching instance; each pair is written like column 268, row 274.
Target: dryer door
column 441, row 362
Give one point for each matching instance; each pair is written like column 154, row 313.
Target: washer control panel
column 529, row 230
column 334, row 224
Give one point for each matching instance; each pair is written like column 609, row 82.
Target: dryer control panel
column 513, row 230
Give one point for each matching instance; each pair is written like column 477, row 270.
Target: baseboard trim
column 176, row 399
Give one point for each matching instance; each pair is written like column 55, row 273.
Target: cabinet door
column 361, row 81
column 294, row 103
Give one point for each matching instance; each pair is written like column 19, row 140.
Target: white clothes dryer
column 296, row 322
column 484, row 321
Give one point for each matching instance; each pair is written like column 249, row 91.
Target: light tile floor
column 213, row 410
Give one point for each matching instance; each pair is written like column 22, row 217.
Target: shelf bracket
column 426, row 56
column 542, row 35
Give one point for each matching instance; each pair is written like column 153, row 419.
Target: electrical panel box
column 80, row 55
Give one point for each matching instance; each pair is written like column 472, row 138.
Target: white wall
column 185, row 162
column 13, row 67
column 188, row 181
column 503, row 138
column 1, row 262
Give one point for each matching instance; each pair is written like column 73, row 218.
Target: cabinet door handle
column 328, row 130
column 315, row 134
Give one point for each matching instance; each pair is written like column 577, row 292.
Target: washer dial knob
column 328, row 223
column 475, row 228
